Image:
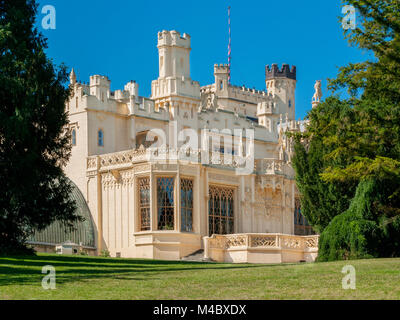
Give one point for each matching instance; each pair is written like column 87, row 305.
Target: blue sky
column 118, row 39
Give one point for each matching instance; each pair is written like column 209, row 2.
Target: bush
column 356, row 233
column 105, row 253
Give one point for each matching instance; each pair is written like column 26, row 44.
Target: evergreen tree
column 348, row 171
column 34, row 144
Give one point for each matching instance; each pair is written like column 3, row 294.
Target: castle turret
column 266, row 114
column 174, row 84
column 221, row 73
column 133, row 88
column 100, row 87
column 281, row 83
column 174, row 54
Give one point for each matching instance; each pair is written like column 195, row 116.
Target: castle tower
column 100, row 87
column 267, row 115
column 221, row 73
column 282, row 85
column 174, row 91
column 174, row 54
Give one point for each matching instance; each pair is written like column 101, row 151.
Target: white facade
column 116, row 168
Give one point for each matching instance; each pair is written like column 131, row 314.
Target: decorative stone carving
column 318, row 92
column 263, row 241
column 221, row 177
column 141, row 168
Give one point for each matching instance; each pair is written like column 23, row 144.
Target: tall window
column 100, row 138
column 221, row 213
column 165, row 203
column 301, row 225
column 73, row 137
column 186, row 205
column 144, row 203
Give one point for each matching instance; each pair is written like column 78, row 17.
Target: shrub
column 356, row 233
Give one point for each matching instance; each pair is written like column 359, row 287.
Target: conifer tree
column 34, row 143
column 348, row 171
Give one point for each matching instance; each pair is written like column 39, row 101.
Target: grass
column 109, row 278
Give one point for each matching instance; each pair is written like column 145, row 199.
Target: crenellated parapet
column 173, row 38
column 274, row 72
column 221, row 68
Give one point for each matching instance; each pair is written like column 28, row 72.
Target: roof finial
column 72, row 77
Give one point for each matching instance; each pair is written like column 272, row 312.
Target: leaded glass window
column 301, row 225
column 186, row 205
column 100, row 138
column 165, row 203
column 73, row 137
column 221, row 210
column 144, row 203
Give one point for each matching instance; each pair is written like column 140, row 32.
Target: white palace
column 192, row 169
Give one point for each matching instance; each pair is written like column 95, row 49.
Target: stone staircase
column 197, row 256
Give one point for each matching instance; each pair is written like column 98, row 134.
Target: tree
column 34, row 142
column 349, row 174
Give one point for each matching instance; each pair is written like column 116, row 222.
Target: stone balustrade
column 125, row 159
column 261, row 248
column 273, row 167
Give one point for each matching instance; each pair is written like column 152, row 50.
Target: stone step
column 197, row 256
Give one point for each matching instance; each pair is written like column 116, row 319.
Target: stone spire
column 72, row 77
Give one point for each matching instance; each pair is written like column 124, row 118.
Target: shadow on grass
column 27, row 270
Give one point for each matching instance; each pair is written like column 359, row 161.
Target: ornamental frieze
column 221, row 177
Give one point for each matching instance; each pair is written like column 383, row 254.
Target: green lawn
column 108, row 278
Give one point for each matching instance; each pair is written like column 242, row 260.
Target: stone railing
column 126, row 158
column 263, row 240
column 303, row 246
column 116, row 159
column 272, row 167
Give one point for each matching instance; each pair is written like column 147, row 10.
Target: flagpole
column 229, row 45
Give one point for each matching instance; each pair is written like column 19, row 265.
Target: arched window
column 290, row 103
column 100, row 137
column 73, row 137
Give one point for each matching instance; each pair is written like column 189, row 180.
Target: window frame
column 186, row 208
column 173, row 207
column 102, row 138
column 147, row 206
column 211, row 229
column 73, row 137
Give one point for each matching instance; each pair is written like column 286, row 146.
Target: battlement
column 266, row 108
column 275, row 72
column 241, row 92
column 221, row 68
column 98, row 80
column 248, row 91
column 133, row 88
column 173, row 38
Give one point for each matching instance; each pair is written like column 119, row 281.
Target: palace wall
column 107, row 170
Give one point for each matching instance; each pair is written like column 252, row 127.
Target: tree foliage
column 34, row 145
column 348, row 162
